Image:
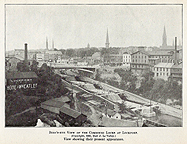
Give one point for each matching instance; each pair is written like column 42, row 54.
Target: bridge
column 90, row 69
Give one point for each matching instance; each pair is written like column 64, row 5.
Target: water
column 167, row 120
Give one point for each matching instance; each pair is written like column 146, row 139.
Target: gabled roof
column 71, row 112
column 144, row 52
column 179, row 66
column 16, row 75
column 62, row 99
column 53, row 103
column 17, row 57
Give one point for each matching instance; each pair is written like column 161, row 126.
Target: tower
column 88, row 46
column 107, row 40
column 53, row 45
column 164, row 38
column 46, row 43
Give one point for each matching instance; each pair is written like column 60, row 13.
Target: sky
column 74, row 26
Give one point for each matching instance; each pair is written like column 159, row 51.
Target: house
column 72, row 116
column 126, row 59
column 113, row 59
column 12, row 63
column 26, row 81
column 112, row 114
column 176, row 72
column 163, row 56
column 53, row 105
column 162, row 70
column 140, row 62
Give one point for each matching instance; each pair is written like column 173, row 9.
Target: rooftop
column 14, row 75
column 62, row 99
column 164, row 65
column 53, row 103
column 144, row 52
column 159, row 53
column 177, row 66
column 70, row 112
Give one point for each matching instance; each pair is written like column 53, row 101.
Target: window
column 167, row 74
column 160, row 73
column 145, row 56
column 163, row 73
column 166, row 69
column 157, row 74
column 157, row 69
column 132, row 60
column 145, row 61
column 163, row 69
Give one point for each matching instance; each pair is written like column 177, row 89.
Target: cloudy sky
column 74, row 26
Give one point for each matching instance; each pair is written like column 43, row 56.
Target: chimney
column 26, row 52
column 175, row 60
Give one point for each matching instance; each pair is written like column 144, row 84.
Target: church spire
column 107, row 40
column 164, row 38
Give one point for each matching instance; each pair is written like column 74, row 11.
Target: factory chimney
column 26, row 58
column 175, row 60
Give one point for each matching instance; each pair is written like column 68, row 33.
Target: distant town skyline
column 74, row 26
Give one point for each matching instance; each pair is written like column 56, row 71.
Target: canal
column 167, row 120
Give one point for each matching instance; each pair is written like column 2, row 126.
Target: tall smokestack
column 26, row 52
column 175, row 50
column 46, row 43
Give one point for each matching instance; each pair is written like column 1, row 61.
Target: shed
column 64, row 99
column 72, row 116
column 53, row 105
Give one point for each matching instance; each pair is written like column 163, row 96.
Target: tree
column 23, row 66
column 44, row 74
column 128, row 80
column 70, row 52
column 34, row 66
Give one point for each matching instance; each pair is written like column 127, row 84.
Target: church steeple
column 164, row 38
column 107, row 40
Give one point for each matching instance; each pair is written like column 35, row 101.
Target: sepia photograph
column 93, row 65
